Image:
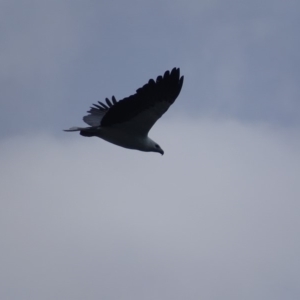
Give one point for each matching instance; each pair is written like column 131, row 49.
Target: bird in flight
column 127, row 122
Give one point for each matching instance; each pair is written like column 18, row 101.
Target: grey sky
column 240, row 58
column 217, row 217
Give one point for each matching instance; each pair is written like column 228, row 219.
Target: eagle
column 127, row 122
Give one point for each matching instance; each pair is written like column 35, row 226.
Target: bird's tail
column 84, row 131
column 75, row 129
column 72, row 129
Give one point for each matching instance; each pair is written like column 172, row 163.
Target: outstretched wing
column 139, row 112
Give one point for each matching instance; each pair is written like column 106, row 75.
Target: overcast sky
column 216, row 217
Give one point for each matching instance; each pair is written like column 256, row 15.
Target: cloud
column 216, row 217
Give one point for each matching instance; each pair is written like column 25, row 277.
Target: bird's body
column 126, row 123
column 119, row 137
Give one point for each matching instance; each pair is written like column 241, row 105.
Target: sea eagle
column 126, row 123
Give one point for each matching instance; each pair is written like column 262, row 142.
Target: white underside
column 124, row 139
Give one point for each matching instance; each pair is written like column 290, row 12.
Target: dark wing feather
column 108, row 102
column 97, row 112
column 151, row 101
column 114, row 100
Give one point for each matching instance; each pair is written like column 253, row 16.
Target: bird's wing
column 97, row 112
column 139, row 112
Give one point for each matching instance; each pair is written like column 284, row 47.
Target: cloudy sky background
column 217, row 217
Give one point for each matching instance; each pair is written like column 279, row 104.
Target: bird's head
column 152, row 146
column 158, row 149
